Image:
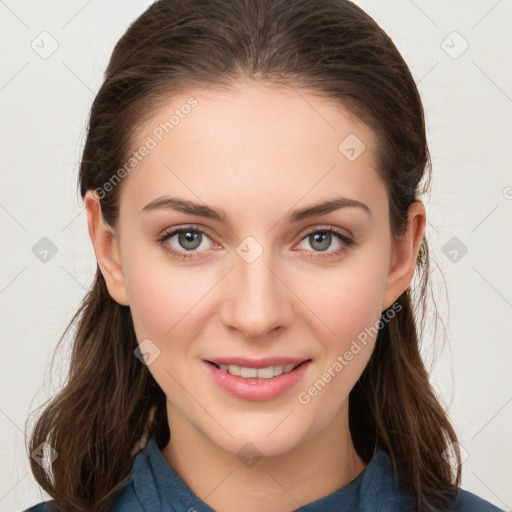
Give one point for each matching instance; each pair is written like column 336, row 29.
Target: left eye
column 321, row 240
column 189, row 239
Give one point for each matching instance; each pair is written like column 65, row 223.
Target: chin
column 259, row 439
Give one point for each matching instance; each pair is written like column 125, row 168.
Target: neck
column 322, row 464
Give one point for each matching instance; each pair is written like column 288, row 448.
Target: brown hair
column 110, row 403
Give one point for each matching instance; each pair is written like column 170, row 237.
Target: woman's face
column 263, row 278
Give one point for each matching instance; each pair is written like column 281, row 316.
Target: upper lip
column 257, row 363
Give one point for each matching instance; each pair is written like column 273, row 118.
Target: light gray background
column 468, row 100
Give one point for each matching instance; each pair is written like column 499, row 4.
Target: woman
column 252, row 176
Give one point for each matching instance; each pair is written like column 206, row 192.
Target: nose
column 258, row 302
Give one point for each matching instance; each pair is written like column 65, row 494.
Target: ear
column 404, row 254
column 106, row 247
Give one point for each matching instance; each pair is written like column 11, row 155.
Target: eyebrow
column 202, row 210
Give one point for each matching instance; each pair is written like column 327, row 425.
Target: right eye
column 188, row 239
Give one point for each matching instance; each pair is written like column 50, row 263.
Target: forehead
column 253, row 140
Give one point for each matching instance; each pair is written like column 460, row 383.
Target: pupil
column 188, row 240
column 324, row 239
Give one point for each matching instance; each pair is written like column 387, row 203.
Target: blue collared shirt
column 153, row 486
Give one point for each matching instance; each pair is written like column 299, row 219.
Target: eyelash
column 346, row 240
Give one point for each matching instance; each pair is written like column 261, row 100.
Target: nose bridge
column 258, row 302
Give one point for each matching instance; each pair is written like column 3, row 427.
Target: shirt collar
column 159, row 488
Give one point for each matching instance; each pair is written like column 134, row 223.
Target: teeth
column 259, row 373
column 234, row 370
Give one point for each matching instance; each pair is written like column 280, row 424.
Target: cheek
column 347, row 306
column 344, row 301
column 351, row 307
column 162, row 295
column 162, row 303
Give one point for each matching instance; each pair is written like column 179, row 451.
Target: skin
column 258, row 152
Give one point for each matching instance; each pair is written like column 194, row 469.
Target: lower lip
column 257, row 389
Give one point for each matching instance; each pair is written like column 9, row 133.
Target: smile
column 256, row 373
column 258, row 384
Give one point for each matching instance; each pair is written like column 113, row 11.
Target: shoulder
column 382, row 491
column 126, row 500
column 469, row 502
column 44, row 506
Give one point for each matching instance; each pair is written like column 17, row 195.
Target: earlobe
column 404, row 254
column 106, row 249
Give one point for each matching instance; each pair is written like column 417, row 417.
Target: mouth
column 259, row 372
column 257, row 380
